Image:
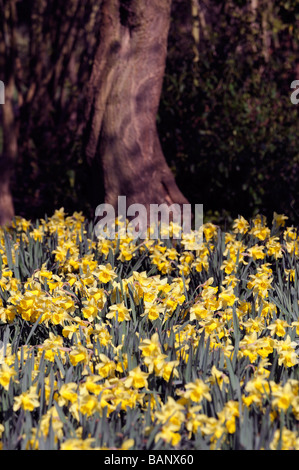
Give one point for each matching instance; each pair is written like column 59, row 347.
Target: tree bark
column 123, row 99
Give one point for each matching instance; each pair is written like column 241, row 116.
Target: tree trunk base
column 123, row 99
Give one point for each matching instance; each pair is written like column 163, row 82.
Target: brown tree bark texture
column 123, row 99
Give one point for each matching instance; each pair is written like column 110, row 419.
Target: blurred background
column 226, row 122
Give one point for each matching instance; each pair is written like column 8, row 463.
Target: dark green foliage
column 228, row 127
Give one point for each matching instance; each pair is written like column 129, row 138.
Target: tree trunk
column 123, row 99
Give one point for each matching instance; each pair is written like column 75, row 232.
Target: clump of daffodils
column 158, row 344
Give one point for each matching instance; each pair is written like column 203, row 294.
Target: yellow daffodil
column 105, row 273
column 68, row 393
column 6, row 375
column 169, row 435
column 28, row 400
column 285, row 440
column 78, row 354
column 106, row 367
column 278, row 327
column 196, row 391
column 119, row 312
column 137, row 379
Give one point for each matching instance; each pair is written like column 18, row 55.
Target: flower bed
column 149, row 344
